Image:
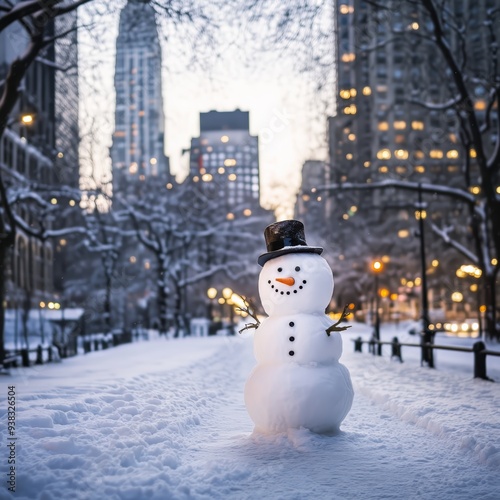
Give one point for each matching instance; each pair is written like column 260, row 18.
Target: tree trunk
column 107, row 305
column 162, row 308
column 490, row 303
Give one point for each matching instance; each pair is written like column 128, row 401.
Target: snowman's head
column 296, row 283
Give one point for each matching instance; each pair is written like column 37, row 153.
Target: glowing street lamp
column 377, row 267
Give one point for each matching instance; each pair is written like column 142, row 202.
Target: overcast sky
column 285, row 111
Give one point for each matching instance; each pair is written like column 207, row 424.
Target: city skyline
column 282, row 103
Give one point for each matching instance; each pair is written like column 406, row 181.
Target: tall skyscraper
column 138, row 140
column 226, row 156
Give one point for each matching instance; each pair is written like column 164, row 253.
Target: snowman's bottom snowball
column 289, row 396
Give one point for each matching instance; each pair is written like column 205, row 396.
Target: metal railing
column 427, row 348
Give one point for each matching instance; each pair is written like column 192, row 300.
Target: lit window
column 401, row 154
column 473, row 153
column 452, row 153
column 348, row 156
column 229, row 162
column 132, row 259
column 400, row 170
column 206, row 177
column 247, row 212
column 196, row 178
column 348, row 57
column 221, row 170
column 417, row 125
column 418, row 154
column 354, row 92
column 367, row 91
column 383, row 169
column 475, row 189
column 232, row 177
column 345, row 94
column 72, row 203
column 230, row 216
column 400, row 125
column 352, row 137
column 224, row 138
column 53, row 201
column 384, row 154
column 153, row 161
column 479, row 105
column 133, row 168
column 383, row 126
column 420, row 169
column 436, row 153
column 366, row 164
column 350, row 110
column 414, row 26
column 60, row 155
column 346, row 9
column 403, row 233
column 169, row 185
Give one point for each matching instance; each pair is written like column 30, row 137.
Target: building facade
column 390, row 124
column 138, row 139
column 226, row 157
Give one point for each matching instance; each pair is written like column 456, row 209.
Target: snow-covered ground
column 165, row 419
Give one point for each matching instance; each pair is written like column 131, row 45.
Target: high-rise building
column 39, row 147
column 392, row 122
column 226, row 156
column 138, row 139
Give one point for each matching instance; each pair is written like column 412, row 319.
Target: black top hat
column 283, row 237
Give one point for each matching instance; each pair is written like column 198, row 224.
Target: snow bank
column 166, row 420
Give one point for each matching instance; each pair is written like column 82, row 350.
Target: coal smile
column 291, row 291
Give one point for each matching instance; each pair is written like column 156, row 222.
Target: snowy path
column 165, row 419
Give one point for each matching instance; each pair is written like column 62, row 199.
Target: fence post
column 371, row 346
column 358, row 345
column 396, row 349
column 480, row 360
column 25, row 356
column 426, row 341
column 39, row 355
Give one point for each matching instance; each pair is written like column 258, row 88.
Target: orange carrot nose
column 286, row 281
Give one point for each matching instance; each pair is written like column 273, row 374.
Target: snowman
column 298, row 381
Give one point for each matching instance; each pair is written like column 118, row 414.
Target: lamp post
column 377, row 268
column 227, row 293
column 420, row 215
column 211, row 294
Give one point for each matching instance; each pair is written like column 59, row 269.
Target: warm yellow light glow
column 72, row 203
column 366, row 164
column 133, row 168
column 480, row 105
column 352, row 137
column 53, row 201
column 420, row 169
column 394, row 296
column 498, row 189
column 414, row 26
column 62, row 242
column 306, row 197
column 60, row 154
column 452, row 153
column 348, row 156
column 420, row 214
column 383, row 169
column 247, row 212
column 230, row 216
column 348, row 57
column 27, row 119
column 232, row 177
column 132, row 259
column 367, row 91
column 494, row 262
column 221, row 300
column 436, row 153
column 457, row 297
column 418, row 281
column 206, row 177
column 224, row 138
column 377, row 266
column 417, row 125
column 42, row 304
column 153, row 161
column 147, row 264
column 229, row 162
column 384, row 293
column 403, row 281
column 57, row 305
column 51, row 305
column 345, row 94
column 403, row 233
column 350, row 110
column 473, row 288
column 384, row 154
column 409, row 284
column 212, row 293
column 227, row 293
column 221, row 170
column 400, row 125
column 475, row 189
column 473, row 153
column 345, row 216
column 482, row 308
column 383, row 126
column 401, row 154
column 435, row 263
column 196, row 178
column 169, row 185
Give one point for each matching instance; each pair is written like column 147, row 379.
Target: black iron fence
column 478, row 349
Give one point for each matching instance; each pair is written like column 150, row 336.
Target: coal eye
column 280, row 269
column 297, row 268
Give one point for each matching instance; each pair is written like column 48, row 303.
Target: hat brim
column 297, row 249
